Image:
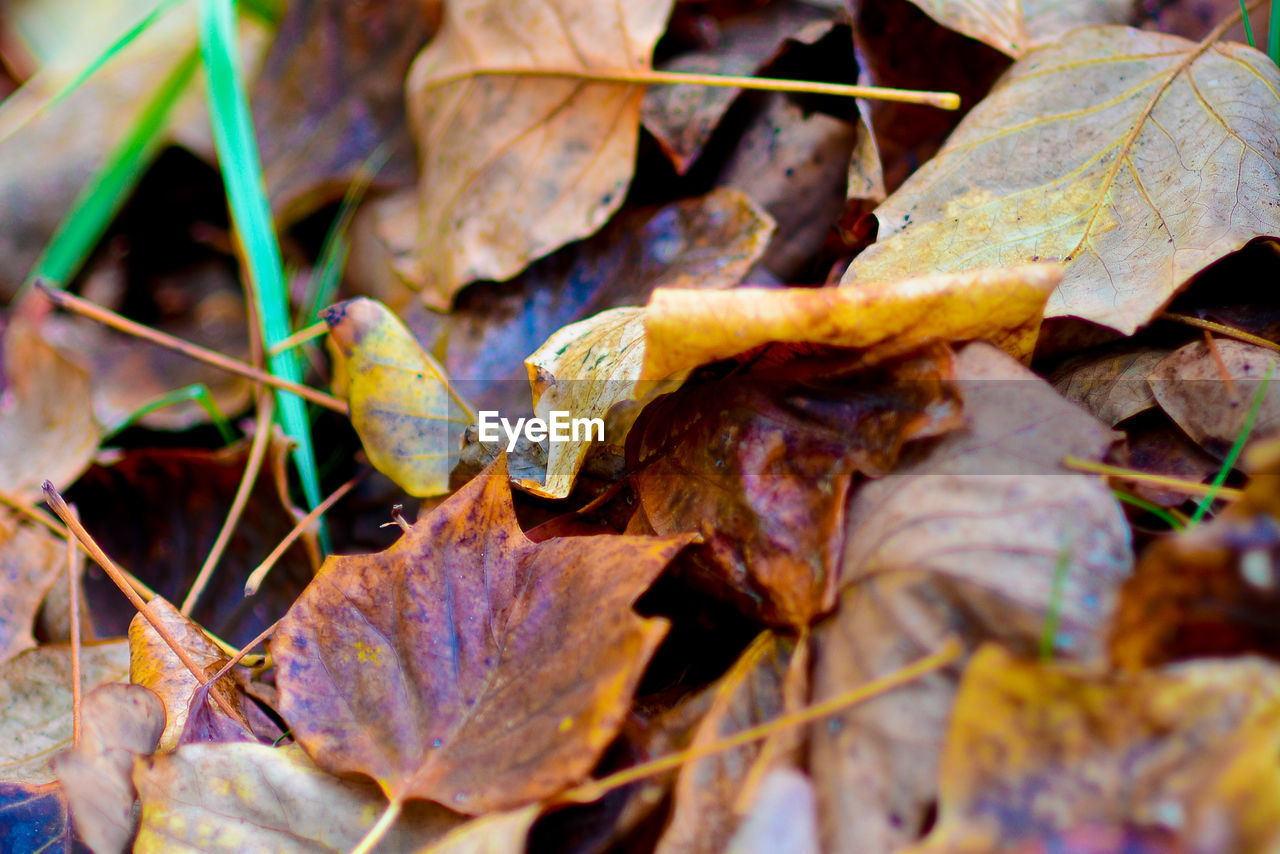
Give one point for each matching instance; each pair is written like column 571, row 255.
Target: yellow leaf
column 1134, row 158
column 408, row 418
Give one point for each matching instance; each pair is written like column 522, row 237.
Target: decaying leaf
column 516, row 166
column 409, row 419
column 35, row 818
column 250, row 797
column 970, row 537
column 1036, row 753
column 764, row 475
column 1112, row 386
column 783, row 817
column 331, row 92
column 31, row 560
column 440, row 667
column 629, row 355
column 1016, row 26
column 154, row 665
column 35, row 692
column 121, row 722
column 1210, row 407
column 709, row 793
column 47, row 429
column 1152, row 158
column 495, row 833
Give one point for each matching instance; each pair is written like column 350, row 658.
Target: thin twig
column 380, row 828
column 1174, row 483
column 93, row 311
column 244, row 650
column 942, row 100
column 1221, row 366
column 1222, row 329
column 302, row 336
column 33, row 512
column 950, row 651
column 256, row 577
column 73, row 608
column 257, row 453
column 122, row 581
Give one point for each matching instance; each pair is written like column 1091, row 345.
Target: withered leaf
column 1036, row 751
column 154, row 665
column 516, row 166
column 783, row 817
column 467, row 664
column 1152, row 159
column 34, row 818
column 250, row 797
column 121, row 722
column 764, row 475
column 1113, row 386
column 35, row 692
column 331, row 92
column 1016, row 26
column 495, row 833
column 32, row 559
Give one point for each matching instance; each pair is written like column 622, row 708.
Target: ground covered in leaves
column 935, row 499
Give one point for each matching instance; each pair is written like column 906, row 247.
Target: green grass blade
column 1229, row 461
column 1273, row 33
column 251, row 213
column 106, row 191
column 1150, row 507
column 198, row 392
column 1248, row 27
column 1053, row 613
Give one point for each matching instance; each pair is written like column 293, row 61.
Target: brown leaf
column 47, row 429
column 495, row 833
column 121, row 722
column 682, row 118
column 967, row 538
column 35, row 818
column 35, row 692
column 1130, row 131
column 783, row 817
column 1037, row 752
column 568, row 145
column 1190, row 387
column 154, row 665
column 31, row 560
column 764, row 474
column 708, row 792
column 1016, row 26
column 440, row 667
column 250, row 797
column 331, row 92
column 1113, row 386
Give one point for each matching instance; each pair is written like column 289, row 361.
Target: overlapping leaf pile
column 856, row 368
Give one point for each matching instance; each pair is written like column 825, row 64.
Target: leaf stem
column 1187, row 486
column 1222, row 329
column 380, row 828
column 74, row 563
column 942, row 100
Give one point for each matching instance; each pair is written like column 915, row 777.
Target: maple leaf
column 467, row 664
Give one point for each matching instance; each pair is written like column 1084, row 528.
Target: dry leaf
column 1113, row 386
column 32, row 560
column 1016, row 26
column 153, row 664
column 331, row 93
column 409, row 420
column 1190, row 387
column 1133, row 186
column 250, row 797
column 34, row 818
column 1036, row 754
column 440, row 667
column 47, row 429
column 495, row 833
column 967, row 538
column 121, row 722
column 764, row 475
column 783, row 817
column 35, row 692
column 516, row 166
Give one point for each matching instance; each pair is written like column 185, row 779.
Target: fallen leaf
column 157, row 512
column 32, row 559
column 764, row 475
column 968, row 536
column 1035, row 752
column 1113, row 386
column 409, row 419
column 1193, row 19
column 47, row 429
column 706, row 800
column 682, row 118
column 1190, row 387
column 516, row 166
column 331, row 92
column 1016, row 26
column 1130, row 131
column 34, row 818
column 121, row 722
column 250, row 797
column 153, row 664
column 35, row 692
column 455, row 636
column 783, row 817
column 496, row 833
column 1161, row 447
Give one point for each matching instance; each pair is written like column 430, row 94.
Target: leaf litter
column 891, row 539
